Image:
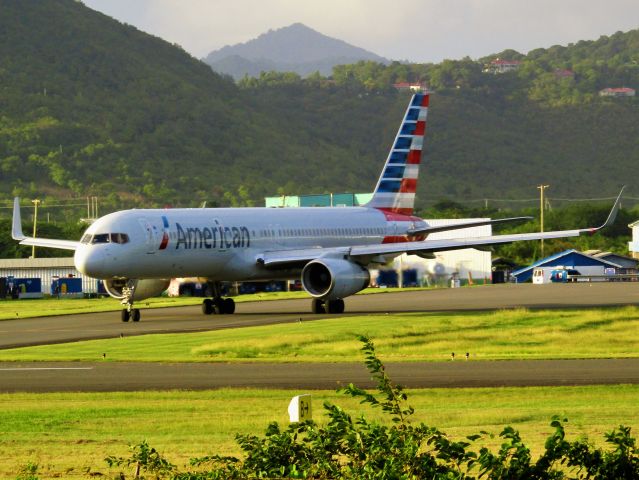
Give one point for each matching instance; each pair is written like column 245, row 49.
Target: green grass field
column 68, row 435
column 508, row 334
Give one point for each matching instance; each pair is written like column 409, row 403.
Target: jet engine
column 141, row 289
column 333, row 278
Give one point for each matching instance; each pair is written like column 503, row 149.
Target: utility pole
column 541, row 210
column 35, row 202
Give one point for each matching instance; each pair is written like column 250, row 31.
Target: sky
column 414, row 30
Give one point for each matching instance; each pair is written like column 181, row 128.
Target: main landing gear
column 217, row 305
column 327, row 306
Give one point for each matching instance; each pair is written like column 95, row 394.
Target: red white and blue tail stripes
column 395, row 190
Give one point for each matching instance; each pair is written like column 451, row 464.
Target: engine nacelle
column 332, row 278
column 141, row 288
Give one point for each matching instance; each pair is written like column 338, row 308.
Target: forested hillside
column 89, row 106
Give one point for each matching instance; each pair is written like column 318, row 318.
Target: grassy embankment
column 69, row 434
column 499, row 335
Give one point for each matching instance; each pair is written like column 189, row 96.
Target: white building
column 634, row 245
column 467, row 262
column 500, row 65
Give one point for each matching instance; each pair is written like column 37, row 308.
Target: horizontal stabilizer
column 458, row 226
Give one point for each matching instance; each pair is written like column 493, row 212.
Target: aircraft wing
column 367, row 253
column 16, row 234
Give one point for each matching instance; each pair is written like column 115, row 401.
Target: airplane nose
column 90, row 261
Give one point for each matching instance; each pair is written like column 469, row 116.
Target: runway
column 112, row 376
column 71, row 328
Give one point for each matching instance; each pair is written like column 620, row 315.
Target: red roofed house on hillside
column 617, row 92
column 564, row 73
column 502, row 66
column 413, row 87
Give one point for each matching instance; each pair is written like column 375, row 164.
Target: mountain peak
column 296, row 48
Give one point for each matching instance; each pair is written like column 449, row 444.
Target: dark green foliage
column 144, row 459
column 89, row 106
column 348, row 448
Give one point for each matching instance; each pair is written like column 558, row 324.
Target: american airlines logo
column 216, row 236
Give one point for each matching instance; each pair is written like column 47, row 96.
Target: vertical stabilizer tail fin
column 395, row 190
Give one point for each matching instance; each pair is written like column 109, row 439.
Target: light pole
column 35, row 202
column 541, row 209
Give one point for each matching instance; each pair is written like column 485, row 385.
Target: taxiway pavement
column 115, row 376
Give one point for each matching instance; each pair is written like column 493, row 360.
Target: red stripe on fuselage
column 399, row 215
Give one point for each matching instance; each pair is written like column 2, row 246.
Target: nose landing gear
column 128, row 312
column 132, row 314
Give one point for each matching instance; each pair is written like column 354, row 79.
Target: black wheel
column 207, row 307
column 227, row 306
column 318, row 306
column 135, row 314
column 218, row 306
column 126, row 315
column 335, row 306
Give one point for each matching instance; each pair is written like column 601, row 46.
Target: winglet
column 16, row 229
column 613, row 212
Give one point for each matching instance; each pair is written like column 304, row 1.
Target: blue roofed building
column 568, row 259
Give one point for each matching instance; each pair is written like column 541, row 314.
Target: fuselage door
column 151, row 235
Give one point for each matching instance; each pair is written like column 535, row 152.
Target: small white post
column 300, row 409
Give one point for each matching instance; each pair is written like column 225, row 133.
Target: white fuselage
column 224, row 243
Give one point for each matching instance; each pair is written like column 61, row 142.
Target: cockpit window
column 100, row 238
column 119, row 238
column 86, row 238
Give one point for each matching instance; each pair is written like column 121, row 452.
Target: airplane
column 136, row 252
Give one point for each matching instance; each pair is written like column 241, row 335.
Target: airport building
column 571, row 259
column 467, row 264
column 47, row 270
column 320, row 200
